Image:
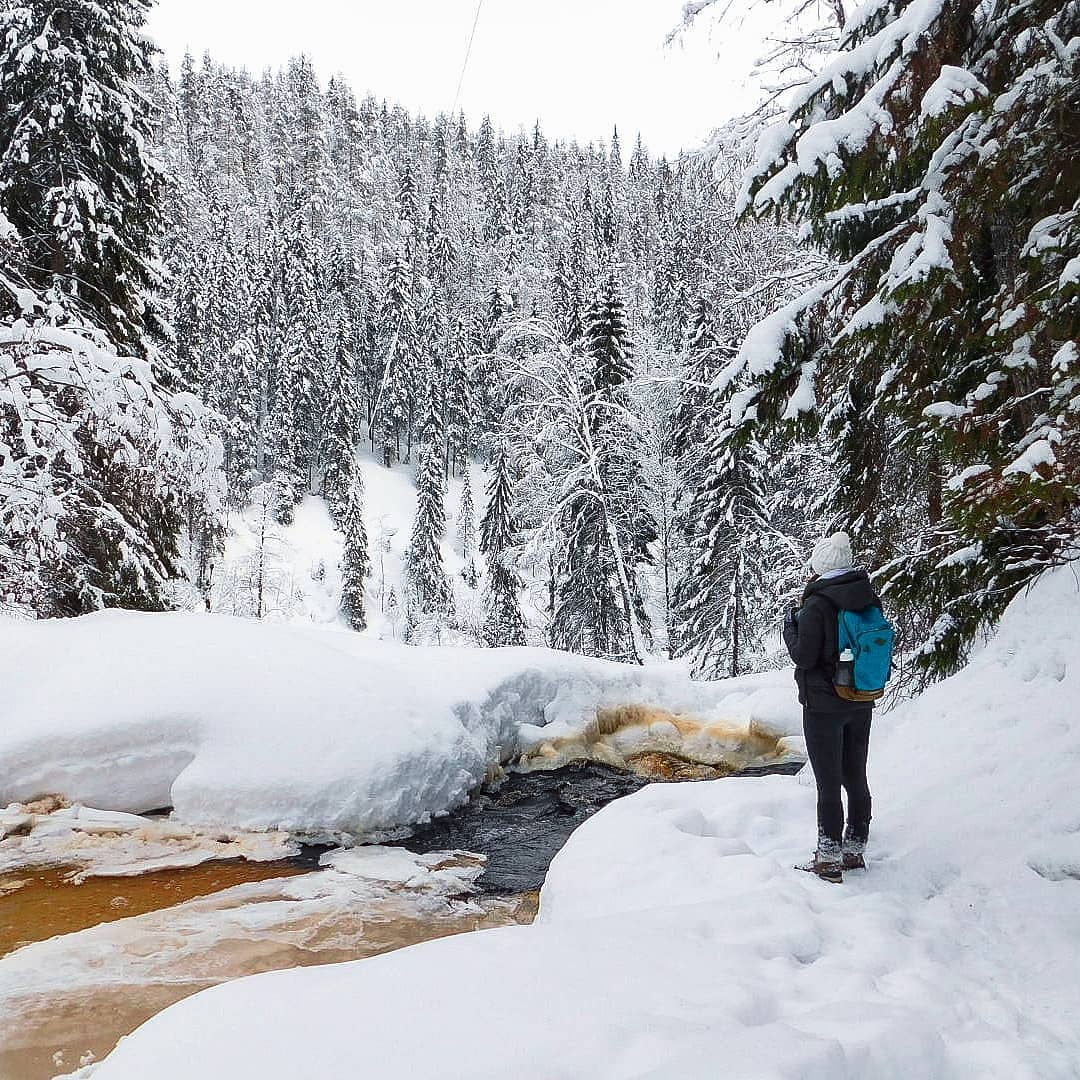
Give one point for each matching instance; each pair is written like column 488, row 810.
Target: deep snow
column 675, row 940
column 322, row 732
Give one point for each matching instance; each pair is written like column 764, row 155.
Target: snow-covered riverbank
column 109, row 843
column 106, row 955
column 245, row 725
column 675, row 941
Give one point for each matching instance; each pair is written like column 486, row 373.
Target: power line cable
column 468, row 53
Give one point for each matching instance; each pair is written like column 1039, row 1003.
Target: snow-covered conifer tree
column 503, row 623
column 242, row 418
column 607, row 525
column 102, row 467
column 286, row 440
column 408, row 208
column 585, row 490
column 340, row 430
column 355, row 562
column 942, row 355
column 608, row 339
column 726, row 603
column 459, row 395
column 699, row 409
column 77, row 179
column 440, row 243
column 299, row 362
column 429, row 592
column 466, row 519
column 100, row 471
column 399, row 349
column 697, row 418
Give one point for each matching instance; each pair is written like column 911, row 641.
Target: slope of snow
column 266, row 726
column 303, row 577
column 676, row 942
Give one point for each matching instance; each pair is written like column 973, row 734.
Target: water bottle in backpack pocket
column 866, row 640
column 845, row 671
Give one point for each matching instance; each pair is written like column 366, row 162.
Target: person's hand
column 792, row 617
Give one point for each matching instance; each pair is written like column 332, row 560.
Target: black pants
column 837, row 743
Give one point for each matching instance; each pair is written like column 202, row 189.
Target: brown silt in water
column 41, row 903
column 45, row 1032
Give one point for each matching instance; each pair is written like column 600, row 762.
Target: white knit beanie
column 831, row 553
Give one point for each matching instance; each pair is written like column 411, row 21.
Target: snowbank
column 316, row 731
column 107, row 843
column 675, row 941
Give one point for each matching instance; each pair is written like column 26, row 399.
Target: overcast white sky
column 580, row 66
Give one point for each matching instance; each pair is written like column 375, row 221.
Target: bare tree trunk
column 636, row 640
column 736, row 642
column 666, row 548
column 261, row 566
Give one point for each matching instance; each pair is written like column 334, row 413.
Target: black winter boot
column 854, row 849
column 827, row 862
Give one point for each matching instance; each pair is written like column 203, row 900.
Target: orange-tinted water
column 41, row 903
column 47, row 1032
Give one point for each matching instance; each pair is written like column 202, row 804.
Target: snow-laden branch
column 94, row 445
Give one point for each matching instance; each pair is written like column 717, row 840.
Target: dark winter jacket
column 811, row 637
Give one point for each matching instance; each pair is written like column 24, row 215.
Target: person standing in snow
column 837, row 730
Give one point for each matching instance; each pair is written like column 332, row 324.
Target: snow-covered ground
column 248, row 725
column 675, row 941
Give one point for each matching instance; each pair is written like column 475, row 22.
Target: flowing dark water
column 521, row 825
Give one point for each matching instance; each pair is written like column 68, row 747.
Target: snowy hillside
column 265, row 726
column 303, row 579
column 303, row 558
column 675, row 940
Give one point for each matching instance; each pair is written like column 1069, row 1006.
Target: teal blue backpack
column 870, row 637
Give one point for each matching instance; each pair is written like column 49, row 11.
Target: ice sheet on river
column 249, row 725
column 109, row 843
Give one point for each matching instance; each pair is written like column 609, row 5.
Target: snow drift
column 675, row 941
column 322, row 732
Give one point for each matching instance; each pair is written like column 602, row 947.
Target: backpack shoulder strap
column 827, row 606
